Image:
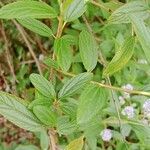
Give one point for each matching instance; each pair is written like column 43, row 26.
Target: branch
column 52, row 140
column 23, row 34
column 100, row 5
column 8, row 56
column 135, row 92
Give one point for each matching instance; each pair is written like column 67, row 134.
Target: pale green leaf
column 63, row 54
column 43, row 85
column 92, row 100
column 121, row 57
column 76, row 144
column 121, row 15
column 17, row 113
column 143, row 34
column 26, row 147
column 88, row 50
column 74, row 84
column 36, row 26
column 45, row 115
column 44, row 140
column 27, row 9
column 73, row 9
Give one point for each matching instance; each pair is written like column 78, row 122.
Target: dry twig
column 23, row 34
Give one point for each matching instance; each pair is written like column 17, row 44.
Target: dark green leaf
column 69, row 108
column 44, row 102
column 63, row 53
column 27, row 9
column 45, row 115
column 142, row 131
column 65, row 126
column 74, row 84
column 92, row 100
column 43, row 85
column 88, row 50
column 143, row 34
column 136, row 8
column 17, row 113
column 121, row 57
column 73, row 9
column 36, row 26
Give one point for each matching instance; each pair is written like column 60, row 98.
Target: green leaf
column 45, row 115
column 137, row 8
column 27, row 9
column 43, row 85
column 76, row 144
column 63, row 54
column 71, row 39
column 92, row 100
column 17, row 113
column 36, row 26
column 73, row 9
column 44, row 101
column 51, row 63
column 92, row 130
column 121, row 58
column 40, row 99
column 142, row 131
column 74, row 84
column 65, row 126
column 143, row 34
column 88, row 50
column 26, row 147
column 44, row 140
column 69, row 108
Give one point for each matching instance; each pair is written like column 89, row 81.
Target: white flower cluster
column 127, row 87
column 126, row 95
column 129, row 112
column 146, row 108
column 106, row 135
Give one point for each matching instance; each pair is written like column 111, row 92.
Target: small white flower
column 128, row 111
column 146, row 108
column 106, row 135
column 41, row 57
column 121, row 100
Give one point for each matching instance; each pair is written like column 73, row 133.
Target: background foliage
column 74, row 74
